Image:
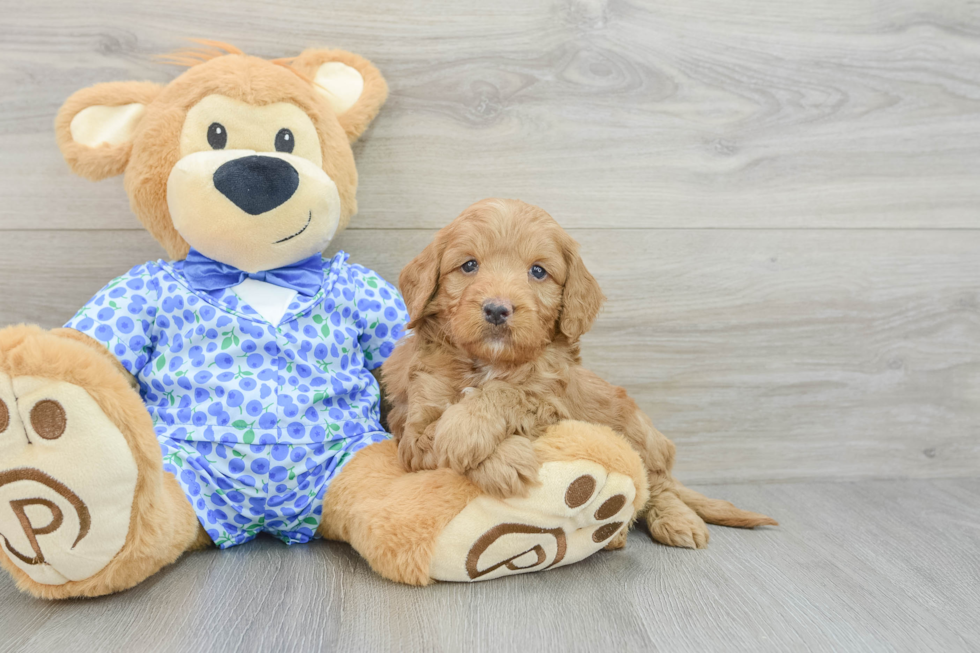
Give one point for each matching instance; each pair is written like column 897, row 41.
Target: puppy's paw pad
column 67, row 480
column 577, row 509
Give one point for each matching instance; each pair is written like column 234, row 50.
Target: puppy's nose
column 257, row 184
column 496, row 311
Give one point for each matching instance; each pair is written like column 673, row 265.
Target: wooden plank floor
column 863, row 566
column 781, row 201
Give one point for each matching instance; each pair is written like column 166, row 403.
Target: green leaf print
column 240, row 424
column 161, row 362
column 226, row 343
column 372, row 281
column 248, row 437
column 325, row 330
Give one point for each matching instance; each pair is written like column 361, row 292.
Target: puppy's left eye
column 285, row 141
column 538, row 272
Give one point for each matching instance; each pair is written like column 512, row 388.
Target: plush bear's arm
column 78, row 336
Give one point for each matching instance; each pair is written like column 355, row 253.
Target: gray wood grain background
column 782, row 202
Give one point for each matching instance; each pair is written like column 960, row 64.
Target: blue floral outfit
column 254, row 419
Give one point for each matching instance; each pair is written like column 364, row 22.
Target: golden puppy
column 498, row 303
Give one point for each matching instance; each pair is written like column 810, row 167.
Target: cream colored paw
column 67, row 480
column 617, row 542
column 577, row 509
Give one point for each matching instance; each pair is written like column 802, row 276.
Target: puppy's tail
column 716, row 511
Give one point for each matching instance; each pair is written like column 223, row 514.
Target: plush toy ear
column 581, row 297
column 95, row 126
column 351, row 84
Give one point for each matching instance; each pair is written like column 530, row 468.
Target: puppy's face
column 501, row 282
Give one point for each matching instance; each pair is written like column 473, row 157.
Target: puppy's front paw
column 510, row 471
column 415, row 449
column 464, row 438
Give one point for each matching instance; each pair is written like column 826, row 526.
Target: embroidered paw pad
column 577, row 510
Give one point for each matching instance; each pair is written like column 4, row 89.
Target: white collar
column 268, row 300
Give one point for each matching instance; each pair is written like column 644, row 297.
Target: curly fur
column 471, row 395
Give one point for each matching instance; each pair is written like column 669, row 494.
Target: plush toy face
column 246, row 160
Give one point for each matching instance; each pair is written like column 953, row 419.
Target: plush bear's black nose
column 256, row 184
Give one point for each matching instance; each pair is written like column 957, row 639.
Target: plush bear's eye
column 217, row 136
column 538, row 272
column 285, row 141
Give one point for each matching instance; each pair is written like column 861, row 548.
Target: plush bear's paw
column 578, row 508
column 67, row 480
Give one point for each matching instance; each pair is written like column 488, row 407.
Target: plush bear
column 231, row 390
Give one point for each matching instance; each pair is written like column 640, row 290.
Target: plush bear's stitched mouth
column 309, row 219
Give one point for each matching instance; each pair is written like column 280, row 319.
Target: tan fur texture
column 393, row 517
column 470, row 395
column 162, row 524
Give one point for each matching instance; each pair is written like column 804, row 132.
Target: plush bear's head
column 246, row 160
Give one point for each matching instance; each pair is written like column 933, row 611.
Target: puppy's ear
column 581, row 296
column 419, row 281
column 351, row 84
column 95, row 126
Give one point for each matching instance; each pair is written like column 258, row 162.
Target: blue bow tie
column 203, row 273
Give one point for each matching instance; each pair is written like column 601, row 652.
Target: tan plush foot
column 416, row 527
column 592, row 485
column 85, row 508
column 577, row 510
column 617, row 542
column 67, row 480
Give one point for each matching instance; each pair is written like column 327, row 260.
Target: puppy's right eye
column 470, row 266
column 217, row 136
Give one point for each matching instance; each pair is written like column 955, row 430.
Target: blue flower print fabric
column 254, row 419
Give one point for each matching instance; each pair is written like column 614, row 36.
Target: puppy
column 498, row 302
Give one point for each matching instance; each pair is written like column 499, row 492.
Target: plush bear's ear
column 95, row 126
column 352, row 85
